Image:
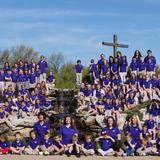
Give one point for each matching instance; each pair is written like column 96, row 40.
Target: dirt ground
column 26, row 157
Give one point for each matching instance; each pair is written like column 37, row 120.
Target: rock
column 121, row 120
column 3, row 128
column 24, row 131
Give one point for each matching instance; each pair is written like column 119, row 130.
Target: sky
column 77, row 27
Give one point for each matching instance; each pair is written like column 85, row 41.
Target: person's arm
column 131, row 145
column 69, row 145
column 97, row 139
column 111, row 138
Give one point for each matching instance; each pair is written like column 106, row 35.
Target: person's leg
column 14, row 150
column 70, row 149
column 78, row 149
column 36, row 151
column 4, row 150
column 29, row 151
column 43, row 148
column 44, row 76
column 88, row 151
column 41, row 78
column 77, row 79
column 121, row 76
column 50, row 149
column 102, row 153
column 80, row 78
column 109, row 152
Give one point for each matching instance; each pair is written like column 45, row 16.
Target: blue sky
column 77, row 27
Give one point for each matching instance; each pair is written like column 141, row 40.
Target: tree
column 55, row 61
column 24, row 53
column 4, row 56
column 66, row 76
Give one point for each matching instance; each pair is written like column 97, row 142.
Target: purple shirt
column 78, row 68
column 67, row 134
column 43, row 66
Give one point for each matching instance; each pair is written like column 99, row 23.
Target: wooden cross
column 115, row 44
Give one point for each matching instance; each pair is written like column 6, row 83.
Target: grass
column 137, row 109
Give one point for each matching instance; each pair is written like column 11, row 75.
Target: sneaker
column 68, row 155
column 40, row 153
column 124, row 154
column 46, row 153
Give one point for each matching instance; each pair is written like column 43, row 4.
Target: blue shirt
column 4, row 144
column 8, row 76
column 130, row 100
column 41, row 129
column 116, row 81
column 20, row 78
column 135, row 131
column 34, row 143
column 2, row 115
column 114, row 67
column 105, row 144
column 106, row 81
column 127, row 145
column 108, row 106
column 57, row 144
column 67, row 134
column 150, row 124
column 14, row 77
column 154, row 83
column 50, row 78
column 100, row 63
column 92, row 68
column 145, row 134
column 105, row 69
column 89, row 145
column 153, row 60
column 150, row 67
column 147, row 84
column 133, row 66
column 154, row 110
column 43, row 66
column 32, row 78
column 116, row 107
column 142, row 66
column 78, row 68
column 18, row 143
column 123, row 66
column 88, row 92
column 113, row 132
column 24, row 108
column 48, row 143
column 2, row 77
column 26, row 77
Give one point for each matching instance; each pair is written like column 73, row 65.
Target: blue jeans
column 129, row 151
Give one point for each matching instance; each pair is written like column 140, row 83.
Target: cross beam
column 115, row 44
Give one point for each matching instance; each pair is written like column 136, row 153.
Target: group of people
column 114, row 87
column 24, row 91
column 138, row 141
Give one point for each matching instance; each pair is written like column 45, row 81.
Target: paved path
column 26, row 157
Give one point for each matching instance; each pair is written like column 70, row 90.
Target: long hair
column 72, row 121
column 114, row 122
column 138, row 121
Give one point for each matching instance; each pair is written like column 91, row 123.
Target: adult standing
column 79, row 70
column 134, row 128
column 43, row 68
column 67, row 130
column 42, row 126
